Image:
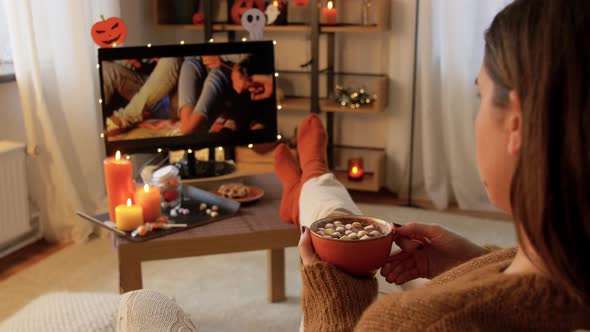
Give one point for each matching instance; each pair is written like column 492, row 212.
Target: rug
column 221, row 292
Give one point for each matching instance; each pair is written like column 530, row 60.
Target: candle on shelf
column 219, row 154
column 128, row 216
column 329, row 14
column 355, row 169
column 149, row 199
column 118, row 174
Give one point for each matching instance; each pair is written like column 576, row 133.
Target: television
column 174, row 97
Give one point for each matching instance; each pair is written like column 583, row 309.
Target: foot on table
column 289, row 173
column 312, row 142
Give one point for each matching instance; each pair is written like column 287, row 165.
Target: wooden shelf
column 326, row 105
column 292, row 27
column 353, row 28
column 381, row 89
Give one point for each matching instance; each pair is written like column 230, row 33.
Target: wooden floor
column 41, row 249
column 28, row 256
column 386, row 197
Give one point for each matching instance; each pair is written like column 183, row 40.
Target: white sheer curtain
column 450, row 51
column 55, row 66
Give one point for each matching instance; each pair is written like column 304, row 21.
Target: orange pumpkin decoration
column 241, row 6
column 110, row 32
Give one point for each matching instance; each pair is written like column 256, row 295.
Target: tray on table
column 191, row 199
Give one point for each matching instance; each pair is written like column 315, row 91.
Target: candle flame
column 355, row 170
column 330, row 5
column 128, row 201
column 118, row 155
column 146, row 188
column 275, row 3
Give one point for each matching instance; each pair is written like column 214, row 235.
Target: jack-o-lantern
column 110, row 32
column 241, row 6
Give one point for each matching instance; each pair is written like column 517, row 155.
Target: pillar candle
column 128, row 216
column 329, row 14
column 118, row 174
column 149, row 199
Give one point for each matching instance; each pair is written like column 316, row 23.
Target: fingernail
column 302, row 229
column 397, row 225
column 420, row 247
column 427, row 240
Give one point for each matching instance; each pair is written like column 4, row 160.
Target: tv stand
column 191, row 168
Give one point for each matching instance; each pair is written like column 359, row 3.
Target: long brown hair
column 541, row 50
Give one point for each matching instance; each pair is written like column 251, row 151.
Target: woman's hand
column 427, row 251
column 306, row 251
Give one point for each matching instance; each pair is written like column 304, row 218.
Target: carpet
column 221, row 292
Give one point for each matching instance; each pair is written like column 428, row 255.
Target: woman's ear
column 514, row 124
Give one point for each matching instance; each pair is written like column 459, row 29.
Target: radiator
column 16, row 227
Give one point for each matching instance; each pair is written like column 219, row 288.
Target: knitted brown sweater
column 475, row 296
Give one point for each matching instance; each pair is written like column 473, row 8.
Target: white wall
column 390, row 52
column 11, row 117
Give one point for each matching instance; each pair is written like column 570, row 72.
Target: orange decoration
column 110, row 32
column 118, row 174
column 241, row 6
column 149, row 199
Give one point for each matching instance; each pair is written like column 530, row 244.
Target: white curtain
column 55, row 66
column 450, row 52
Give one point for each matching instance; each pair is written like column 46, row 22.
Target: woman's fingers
column 408, row 244
column 306, row 251
column 419, row 231
column 406, row 276
column 403, row 266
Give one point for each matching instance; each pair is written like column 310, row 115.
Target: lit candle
column 355, row 169
column 329, row 14
column 118, row 174
column 219, row 154
column 149, row 200
column 128, row 216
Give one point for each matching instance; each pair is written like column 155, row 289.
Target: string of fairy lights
column 220, row 148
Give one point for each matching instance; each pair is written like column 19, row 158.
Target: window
column 6, row 67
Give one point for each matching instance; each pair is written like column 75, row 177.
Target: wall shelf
column 291, row 27
column 214, row 23
column 326, row 105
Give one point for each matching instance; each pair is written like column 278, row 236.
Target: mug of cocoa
column 358, row 245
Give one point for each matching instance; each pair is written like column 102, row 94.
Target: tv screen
column 187, row 96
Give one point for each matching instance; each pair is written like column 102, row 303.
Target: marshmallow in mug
column 358, row 230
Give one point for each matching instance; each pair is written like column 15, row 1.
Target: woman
column 534, row 158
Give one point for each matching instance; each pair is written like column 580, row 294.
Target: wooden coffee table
column 256, row 227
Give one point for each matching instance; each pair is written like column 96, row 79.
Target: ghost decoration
column 253, row 20
column 272, row 12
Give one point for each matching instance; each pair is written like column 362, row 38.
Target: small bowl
column 360, row 257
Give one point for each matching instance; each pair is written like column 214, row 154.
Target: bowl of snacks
column 358, row 245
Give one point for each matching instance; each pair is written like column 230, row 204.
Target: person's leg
column 119, row 79
column 215, row 86
column 190, row 82
column 161, row 81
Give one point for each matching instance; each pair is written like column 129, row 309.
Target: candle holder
column 355, row 169
column 167, row 180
